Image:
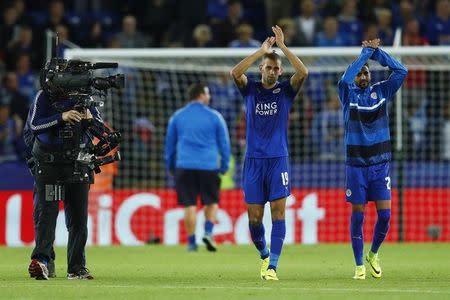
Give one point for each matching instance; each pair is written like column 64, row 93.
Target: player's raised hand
column 267, row 44
column 279, row 35
column 375, row 43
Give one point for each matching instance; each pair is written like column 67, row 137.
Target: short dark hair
column 366, row 65
column 195, row 90
column 272, row 56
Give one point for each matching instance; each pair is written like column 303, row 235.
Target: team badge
column 373, row 95
column 276, row 91
column 348, row 192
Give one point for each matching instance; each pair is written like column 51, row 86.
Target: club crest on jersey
column 276, row 91
column 348, row 192
column 266, row 109
column 373, row 96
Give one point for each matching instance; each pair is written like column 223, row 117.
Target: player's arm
column 301, row 72
column 223, row 140
column 238, row 72
column 398, row 75
column 170, row 145
column 354, row 68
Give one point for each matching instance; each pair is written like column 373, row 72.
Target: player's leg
column 187, row 190
column 253, row 185
column 356, row 187
column 209, row 191
column 380, row 188
column 278, row 188
column 257, row 233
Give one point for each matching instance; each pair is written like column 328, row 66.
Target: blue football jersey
column 267, row 114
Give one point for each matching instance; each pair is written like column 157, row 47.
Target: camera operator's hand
column 72, row 116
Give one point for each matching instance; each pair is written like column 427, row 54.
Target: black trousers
column 76, row 210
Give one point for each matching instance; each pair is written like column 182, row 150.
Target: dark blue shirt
column 267, row 114
column 367, row 137
column 45, row 121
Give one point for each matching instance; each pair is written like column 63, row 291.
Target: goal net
column 156, row 83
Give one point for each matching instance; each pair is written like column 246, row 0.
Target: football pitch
column 410, row 271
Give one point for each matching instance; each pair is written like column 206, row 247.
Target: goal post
column 156, row 82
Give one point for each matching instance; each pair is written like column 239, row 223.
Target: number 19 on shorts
column 285, row 178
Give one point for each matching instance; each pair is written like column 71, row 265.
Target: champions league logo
column 266, row 109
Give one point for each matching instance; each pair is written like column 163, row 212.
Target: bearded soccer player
column 368, row 148
column 266, row 165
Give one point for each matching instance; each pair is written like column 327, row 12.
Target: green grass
column 410, row 271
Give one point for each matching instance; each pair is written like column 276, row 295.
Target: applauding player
column 368, row 147
column 266, row 165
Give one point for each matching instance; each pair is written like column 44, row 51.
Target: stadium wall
column 135, row 217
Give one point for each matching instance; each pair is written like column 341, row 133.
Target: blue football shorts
column 371, row 183
column 265, row 179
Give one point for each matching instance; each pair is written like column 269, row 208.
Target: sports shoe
column 264, row 265
column 374, row 263
column 192, row 248
column 360, row 272
column 51, row 268
column 82, row 274
column 210, row 245
column 38, row 270
column 270, row 275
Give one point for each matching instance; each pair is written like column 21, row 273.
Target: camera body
column 74, row 79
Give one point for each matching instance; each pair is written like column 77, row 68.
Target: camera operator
column 60, row 131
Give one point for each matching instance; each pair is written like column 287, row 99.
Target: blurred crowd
column 212, row 23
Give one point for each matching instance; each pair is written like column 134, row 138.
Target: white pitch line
column 274, row 287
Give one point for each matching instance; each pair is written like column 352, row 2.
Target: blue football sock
column 257, row 233
column 191, row 239
column 276, row 242
column 381, row 229
column 356, row 235
column 209, row 227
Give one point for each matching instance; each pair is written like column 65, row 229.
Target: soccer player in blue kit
column 368, row 147
column 266, row 165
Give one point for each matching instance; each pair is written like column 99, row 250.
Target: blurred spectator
column 19, row 104
column 10, row 133
column 129, row 37
column 9, row 27
column 95, row 38
column 56, row 16
column 328, row 129
column 19, row 5
column 411, row 35
column 245, row 38
column 276, row 10
column 201, row 37
column 24, row 44
column 404, row 12
column 438, row 31
column 416, row 103
column 307, row 23
column 384, row 20
column 158, row 17
column 26, row 77
column 225, row 31
column 291, row 37
column 330, row 36
column 349, row 23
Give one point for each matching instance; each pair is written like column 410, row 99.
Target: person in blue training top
column 196, row 136
column 368, row 147
column 266, row 164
